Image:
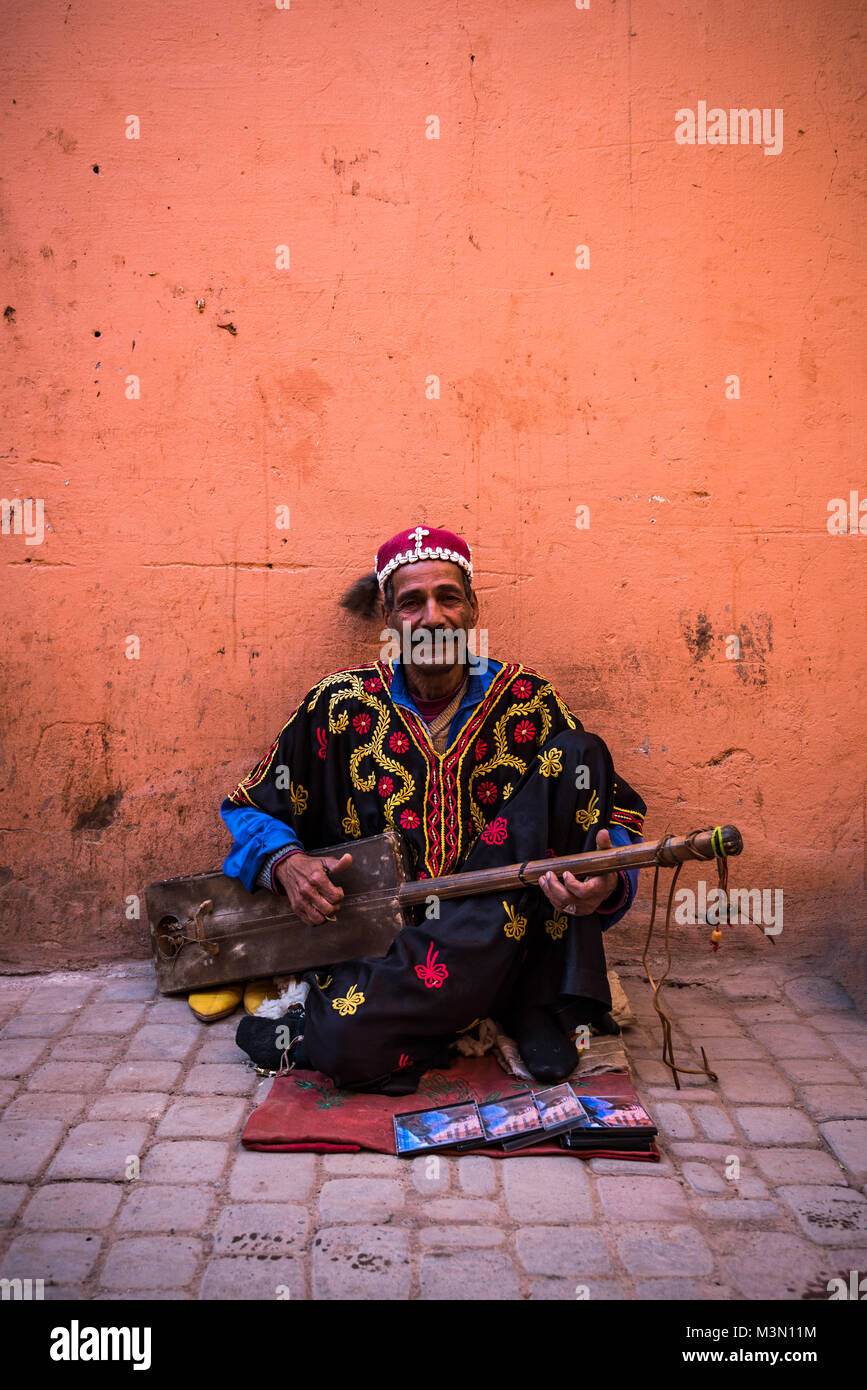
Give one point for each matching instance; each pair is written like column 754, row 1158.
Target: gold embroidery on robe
column 550, row 763
column 502, row 757
column 556, row 925
column 516, row 926
column 353, row 999
column 589, row 817
column 402, row 781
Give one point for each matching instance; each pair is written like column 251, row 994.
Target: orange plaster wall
column 560, row 387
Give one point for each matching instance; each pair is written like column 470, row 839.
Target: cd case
column 448, row 1127
column 560, row 1109
column 523, row 1119
column 619, row 1123
column 528, row 1118
column 512, row 1121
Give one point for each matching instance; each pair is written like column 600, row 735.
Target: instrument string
column 171, row 944
column 176, row 936
column 664, row 1018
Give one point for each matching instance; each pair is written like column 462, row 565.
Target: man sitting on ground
column 476, row 763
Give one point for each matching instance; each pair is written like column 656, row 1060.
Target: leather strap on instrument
column 210, row 948
column 172, row 943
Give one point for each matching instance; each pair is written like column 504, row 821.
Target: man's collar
column 478, row 683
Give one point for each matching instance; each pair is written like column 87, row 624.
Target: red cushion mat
column 304, row 1111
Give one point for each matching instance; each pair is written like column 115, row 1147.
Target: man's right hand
column 309, row 889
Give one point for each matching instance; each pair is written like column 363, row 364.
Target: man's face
column 429, row 597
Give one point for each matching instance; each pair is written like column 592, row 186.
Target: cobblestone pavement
column 761, row 1192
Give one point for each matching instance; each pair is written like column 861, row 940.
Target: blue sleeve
column 256, row 835
column 619, row 838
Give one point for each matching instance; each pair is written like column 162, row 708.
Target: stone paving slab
column 18, row 1055
column 571, row 1250
column 476, row 1275
column 362, row 1262
column 108, row 1017
column 128, row 1105
column 143, row 1262
column 61, row 1257
column 264, row 1229
column 73, row 1206
column 47, row 1105
column 163, row 1207
column 247, row 1277
column 26, row 1145
column 74, row 1047
column 367, row 1199
column 771, row 1264
column 37, row 1025
column 847, row 1139
column 100, row 1149
column 122, row 1175
column 829, row 1215
column 664, row 1248
column 190, row 1160
column 219, row 1117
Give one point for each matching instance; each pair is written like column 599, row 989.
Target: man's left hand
column 580, row 897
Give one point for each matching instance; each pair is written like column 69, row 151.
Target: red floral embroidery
column 322, row 739
column 361, row 723
column 495, row 832
column 409, row 820
column 487, row 792
column 398, row 743
column 525, row 731
column 385, row 786
column 523, row 689
column 481, row 750
column 372, row 685
column 433, row 975
column 422, row 873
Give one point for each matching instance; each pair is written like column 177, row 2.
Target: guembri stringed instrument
column 207, row 930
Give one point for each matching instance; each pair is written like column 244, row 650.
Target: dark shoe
column 589, row 1012
column 548, row 1054
column 265, row 1040
column 606, row 1024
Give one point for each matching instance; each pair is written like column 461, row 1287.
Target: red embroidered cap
column 422, row 543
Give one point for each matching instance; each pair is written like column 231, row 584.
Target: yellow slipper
column 255, row 991
column 210, row 1004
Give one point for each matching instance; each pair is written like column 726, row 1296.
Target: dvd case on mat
column 512, row 1119
column 511, row 1122
column 516, row 1122
column 445, row 1127
column 619, row 1124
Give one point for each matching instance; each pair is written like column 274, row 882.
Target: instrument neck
column 701, row 844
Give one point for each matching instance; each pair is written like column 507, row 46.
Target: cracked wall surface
column 168, row 387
